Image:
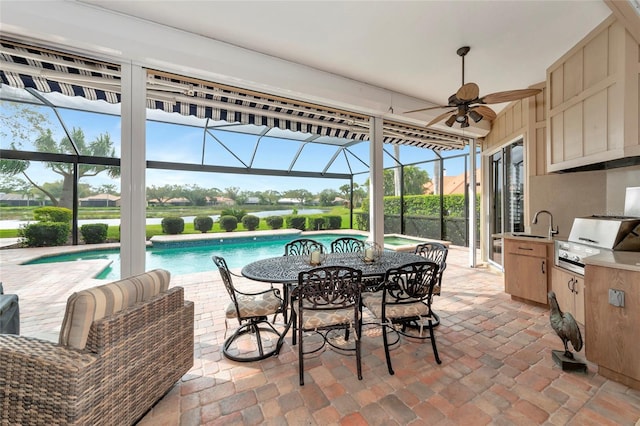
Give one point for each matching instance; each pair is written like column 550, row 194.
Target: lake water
column 15, row 224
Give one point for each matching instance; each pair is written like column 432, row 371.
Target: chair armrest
column 44, row 382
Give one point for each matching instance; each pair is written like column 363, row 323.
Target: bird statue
column 565, row 326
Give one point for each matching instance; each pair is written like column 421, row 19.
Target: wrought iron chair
column 251, row 310
column 404, row 302
column 326, row 299
column 299, row 247
column 302, row 247
column 347, row 245
column 435, row 252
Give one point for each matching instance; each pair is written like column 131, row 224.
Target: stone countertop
column 627, row 260
column 523, row 236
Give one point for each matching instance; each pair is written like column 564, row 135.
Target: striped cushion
column 87, row 306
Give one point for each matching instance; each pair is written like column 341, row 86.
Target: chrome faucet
column 552, row 231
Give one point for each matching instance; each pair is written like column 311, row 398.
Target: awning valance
column 48, row 71
column 24, row 66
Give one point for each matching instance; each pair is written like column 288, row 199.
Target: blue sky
column 184, row 144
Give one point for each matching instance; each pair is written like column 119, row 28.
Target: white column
column 132, row 171
column 376, row 182
column 472, row 203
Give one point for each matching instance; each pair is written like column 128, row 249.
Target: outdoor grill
column 591, row 235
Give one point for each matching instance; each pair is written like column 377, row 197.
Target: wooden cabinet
column 526, row 269
column 612, row 336
column 592, row 102
column 569, row 290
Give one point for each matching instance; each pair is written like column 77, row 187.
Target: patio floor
column 496, row 362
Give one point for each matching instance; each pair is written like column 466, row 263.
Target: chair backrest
column 225, row 273
column 302, row 247
column 347, row 245
column 435, row 252
column 329, row 287
column 410, row 283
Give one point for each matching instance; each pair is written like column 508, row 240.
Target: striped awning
column 25, row 66
column 47, row 71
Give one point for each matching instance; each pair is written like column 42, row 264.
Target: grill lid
column 610, row 232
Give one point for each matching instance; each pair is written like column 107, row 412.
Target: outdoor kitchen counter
column 524, row 237
column 627, row 260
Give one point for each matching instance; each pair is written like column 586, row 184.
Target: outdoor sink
column 522, row 234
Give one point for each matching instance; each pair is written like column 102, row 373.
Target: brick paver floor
column 496, row 362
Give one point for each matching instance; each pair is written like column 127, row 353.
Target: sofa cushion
column 87, row 306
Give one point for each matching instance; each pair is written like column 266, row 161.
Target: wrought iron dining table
column 285, row 269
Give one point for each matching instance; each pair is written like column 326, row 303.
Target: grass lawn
column 151, row 230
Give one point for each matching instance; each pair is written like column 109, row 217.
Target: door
column 506, row 196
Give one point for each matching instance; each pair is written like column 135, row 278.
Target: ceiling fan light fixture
column 475, row 116
column 450, row 120
column 465, row 122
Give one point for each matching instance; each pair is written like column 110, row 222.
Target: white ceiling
column 405, row 47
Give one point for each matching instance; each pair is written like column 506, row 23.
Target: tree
column 328, row 196
column 303, row 195
column 232, row 192
column 270, row 196
column 102, row 146
column 196, row 195
column 414, row 181
column 107, row 188
column 162, row 194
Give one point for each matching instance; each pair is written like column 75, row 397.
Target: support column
column 132, row 171
column 376, row 182
column 472, row 204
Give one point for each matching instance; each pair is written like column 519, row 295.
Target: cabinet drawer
column 526, row 248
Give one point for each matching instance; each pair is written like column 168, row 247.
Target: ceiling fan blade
column 427, row 109
column 468, row 92
column 508, row 96
column 485, row 112
column 439, row 118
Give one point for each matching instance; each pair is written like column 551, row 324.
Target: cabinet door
column 612, row 332
column 526, row 277
column 561, row 286
column 578, row 293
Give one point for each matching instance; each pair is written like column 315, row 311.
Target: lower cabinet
column 526, row 269
column 569, row 290
column 611, row 328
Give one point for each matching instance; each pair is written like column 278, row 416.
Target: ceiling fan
column 466, row 103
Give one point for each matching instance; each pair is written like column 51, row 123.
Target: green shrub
column 316, row 223
column 45, row 234
column 274, row 222
column 296, row 222
column 250, row 222
column 203, row 223
column 228, row 222
column 333, row 221
column 52, row 214
column 235, row 212
column 172, row 225
column 94, row 233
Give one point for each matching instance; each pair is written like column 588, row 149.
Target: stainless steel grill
column 591, row 235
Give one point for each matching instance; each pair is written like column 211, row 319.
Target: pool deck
column 497, row 367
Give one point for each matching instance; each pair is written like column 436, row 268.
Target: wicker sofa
column 122, row 347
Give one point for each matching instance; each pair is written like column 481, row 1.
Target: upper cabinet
column 592, row 100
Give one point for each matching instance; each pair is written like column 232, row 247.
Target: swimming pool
column 186, row 258
column 192, row 253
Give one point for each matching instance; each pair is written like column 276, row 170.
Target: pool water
column 400, row 241
column 187, row 260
